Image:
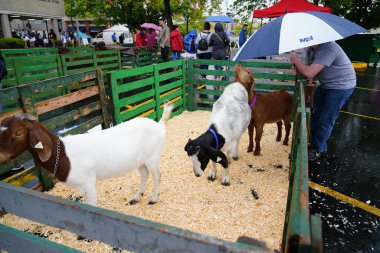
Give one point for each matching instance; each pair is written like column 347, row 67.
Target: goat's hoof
column 285, row 143
column 235, row 158
column 82, row 238
column 225, row 183
column 133, row 202
column 278, row 139
column 211, row 178
column 256, row 153
column 152, row 202
column 249, row 149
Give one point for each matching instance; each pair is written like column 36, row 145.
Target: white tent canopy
column 117, row 28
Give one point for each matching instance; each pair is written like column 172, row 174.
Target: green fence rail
column 302, row 232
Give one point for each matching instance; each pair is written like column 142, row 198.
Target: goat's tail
column 167, row 112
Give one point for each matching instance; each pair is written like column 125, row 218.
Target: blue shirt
column 242, row 37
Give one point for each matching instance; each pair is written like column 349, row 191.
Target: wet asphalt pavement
column 351, row 167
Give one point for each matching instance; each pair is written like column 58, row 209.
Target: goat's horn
column 26, row 116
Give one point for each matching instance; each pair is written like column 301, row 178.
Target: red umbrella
column 151, row 25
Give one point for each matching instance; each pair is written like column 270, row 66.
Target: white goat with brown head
column 81, row 160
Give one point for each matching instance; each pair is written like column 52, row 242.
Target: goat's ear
column 188, row 144
column 40, row 142
column 218, row 156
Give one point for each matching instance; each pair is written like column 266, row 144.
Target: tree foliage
column 365, row 13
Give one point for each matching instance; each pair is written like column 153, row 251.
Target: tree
column 365, row 13
column 243, row 8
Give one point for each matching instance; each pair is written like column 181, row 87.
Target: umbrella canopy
column 288, row 6
column 223, row 19
column 150, row 25
column 117, row 28
column 82, row 35
column 294, row 31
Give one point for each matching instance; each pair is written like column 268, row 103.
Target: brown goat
column 274, row 107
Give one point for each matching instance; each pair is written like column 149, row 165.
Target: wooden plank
column 135, row 85
column 22, row 177
column 136, row 98
column 59, row 102
column 72, row 81
column 13, row 240
column 104, row 100
column 126, row 115
column 116, row 229
column 84, row 127
column 316, row 234
column 170, row 86
column 119, row 74
column 191, row 84
column 64, row 119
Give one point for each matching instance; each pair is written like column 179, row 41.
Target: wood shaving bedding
column 254, row 205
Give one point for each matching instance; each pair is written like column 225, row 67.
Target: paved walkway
column 345, row 185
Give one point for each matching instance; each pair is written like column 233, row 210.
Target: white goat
column 81, row 160
column 230, row 117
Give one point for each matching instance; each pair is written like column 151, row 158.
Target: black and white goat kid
column 230, row 118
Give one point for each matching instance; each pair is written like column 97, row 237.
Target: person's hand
column 294, row 71
column 293, row 57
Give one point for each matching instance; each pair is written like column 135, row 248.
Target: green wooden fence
column 75, row 102
column 269, row 76
column 142, row 91
column 302, row 231
column 27, row 66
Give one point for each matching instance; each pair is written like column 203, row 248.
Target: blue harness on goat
column 215, row 136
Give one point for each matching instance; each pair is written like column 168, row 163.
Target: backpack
column 203, row 45
column 192, row 45
column 3, row 69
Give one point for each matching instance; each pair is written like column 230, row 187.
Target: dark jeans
column 165, row 53
column 176, row 55
column 206, row 56
column 326, row 106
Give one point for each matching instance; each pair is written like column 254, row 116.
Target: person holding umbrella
column 219, row 42
column 337, row 79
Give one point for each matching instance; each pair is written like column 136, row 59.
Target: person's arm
column 310, row 71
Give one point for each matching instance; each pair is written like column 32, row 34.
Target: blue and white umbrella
column 294, row 31
column 222, row 19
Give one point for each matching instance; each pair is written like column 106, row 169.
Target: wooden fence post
column 104, row 99
column 156, row 90
column 190, row 84
column 29, row 106
column 184, row 84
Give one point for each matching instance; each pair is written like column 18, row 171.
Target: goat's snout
column 4, row 158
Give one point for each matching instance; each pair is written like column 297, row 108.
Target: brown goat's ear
column 41, row 143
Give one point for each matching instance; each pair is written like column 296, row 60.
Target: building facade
column 37, row 15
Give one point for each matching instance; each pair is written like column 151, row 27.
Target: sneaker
column 313, row 154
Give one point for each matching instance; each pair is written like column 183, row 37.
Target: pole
column 78, row 37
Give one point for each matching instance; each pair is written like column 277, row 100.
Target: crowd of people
column 34, row 38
